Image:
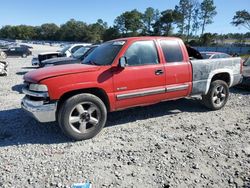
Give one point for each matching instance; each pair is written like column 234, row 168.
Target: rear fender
column 216, row 72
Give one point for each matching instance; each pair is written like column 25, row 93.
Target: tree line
column 185, row 21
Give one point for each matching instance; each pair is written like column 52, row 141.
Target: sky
column 37, row 12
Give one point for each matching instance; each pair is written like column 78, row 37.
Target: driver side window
column 142, row 53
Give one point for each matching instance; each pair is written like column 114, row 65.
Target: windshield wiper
column 91, row 62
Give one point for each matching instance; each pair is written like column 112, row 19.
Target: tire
column 217, row 95
column 82, row 116
column 24, row 55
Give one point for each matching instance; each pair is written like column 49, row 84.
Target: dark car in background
column 76, row 57
column 26, row 46
column 17, row 51
column 214, row 55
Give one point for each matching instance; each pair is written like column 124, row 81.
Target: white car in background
column 67, row 51
column 70, row 49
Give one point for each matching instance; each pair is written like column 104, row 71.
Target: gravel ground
column 172, row 144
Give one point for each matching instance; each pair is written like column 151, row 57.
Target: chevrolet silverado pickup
column 121, row 74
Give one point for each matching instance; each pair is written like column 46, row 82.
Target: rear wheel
column 82, row 116
column 217, row 95
column 24, row 55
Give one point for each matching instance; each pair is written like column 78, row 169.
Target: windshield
column 65, row 49
column 104, row 54
column 80, row 52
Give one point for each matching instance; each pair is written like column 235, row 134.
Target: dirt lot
column 172, row 144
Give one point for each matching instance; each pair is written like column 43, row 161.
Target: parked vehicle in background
column 70, row 49
column 25, row 46
column 34, row 61
column 3, row 68
column 246, row 74
column 77, row 57
column 47, row 55
column 17, row 51
column 67, row 51
column 214, row 55
column 121, row 74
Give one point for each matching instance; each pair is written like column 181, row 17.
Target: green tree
column 168, row 18
column 196, row 21
column 242, row 18
column 96, row 31
column 157, row 24
column 192, row 14
column 74, row 30
column 48, row 31
column 207, row 38
column 129, row 22
column 23, row 32
column 182, row 8
column 111, row 33
column 208, row 11
column 148, row 20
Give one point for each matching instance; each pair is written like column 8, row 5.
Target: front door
column 12, row 51
column 142, row 81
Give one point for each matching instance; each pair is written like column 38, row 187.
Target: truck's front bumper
column 41, row 112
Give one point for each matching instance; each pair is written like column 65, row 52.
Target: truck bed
column 205, row 70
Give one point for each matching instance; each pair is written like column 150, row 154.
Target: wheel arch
column 94, row 91
column 225, row 75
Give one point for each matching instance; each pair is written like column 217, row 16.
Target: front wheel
column 82, row 116
column 217, row 96
column 24, row 55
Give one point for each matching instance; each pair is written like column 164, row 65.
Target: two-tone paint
column 136, row 85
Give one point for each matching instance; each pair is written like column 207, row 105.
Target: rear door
column 142, row 81
column 178, row 70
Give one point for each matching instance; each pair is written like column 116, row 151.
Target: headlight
column 38, row 87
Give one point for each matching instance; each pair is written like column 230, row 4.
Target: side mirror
column 123, row 62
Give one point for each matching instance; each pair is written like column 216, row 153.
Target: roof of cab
column 147, row 38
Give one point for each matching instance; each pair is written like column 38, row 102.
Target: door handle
column 159, row 72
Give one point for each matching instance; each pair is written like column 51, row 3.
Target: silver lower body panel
column 41, row 112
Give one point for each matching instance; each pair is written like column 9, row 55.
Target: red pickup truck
column 124, row 73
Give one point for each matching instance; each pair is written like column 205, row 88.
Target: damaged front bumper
column 37, row 105
column 41, row 112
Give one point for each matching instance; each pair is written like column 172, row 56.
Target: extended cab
column 125, row 73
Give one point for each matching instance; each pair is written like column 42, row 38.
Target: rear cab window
column 172, row 51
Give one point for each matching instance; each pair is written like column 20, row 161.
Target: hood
column 58, row 60
column 36, row 76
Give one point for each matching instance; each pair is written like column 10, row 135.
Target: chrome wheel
column 84, row 117
column 219, row 95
